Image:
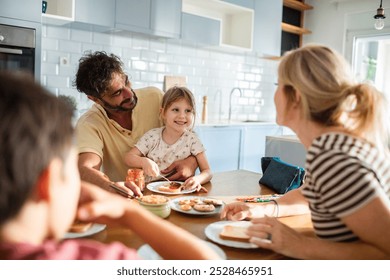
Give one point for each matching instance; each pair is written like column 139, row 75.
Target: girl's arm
column 134, row 158
column 203, row 177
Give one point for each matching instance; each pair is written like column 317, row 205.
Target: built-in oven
column 17, row 48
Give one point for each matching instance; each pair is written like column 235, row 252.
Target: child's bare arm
column 135, row 159
column 203, row 177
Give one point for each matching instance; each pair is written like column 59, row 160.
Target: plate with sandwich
column 229, row 233
column 146, row 252
column 82, row 229
column 197, row 205
column 164, row 187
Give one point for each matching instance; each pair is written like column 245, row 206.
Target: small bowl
column 157, row 204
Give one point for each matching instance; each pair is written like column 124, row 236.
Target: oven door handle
column 11, row 51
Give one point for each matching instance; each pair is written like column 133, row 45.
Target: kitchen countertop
column 235, row 123
column 292, row 138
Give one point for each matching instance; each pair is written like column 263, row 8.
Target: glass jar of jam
column 136, row 175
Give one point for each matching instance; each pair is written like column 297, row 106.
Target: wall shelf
column 295, row 29
column 297, row 5
column 292, row 24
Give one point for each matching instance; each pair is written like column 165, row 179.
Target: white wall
column 335, row 22
column 147, row 59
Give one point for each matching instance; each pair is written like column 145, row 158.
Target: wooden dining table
column 227, row 186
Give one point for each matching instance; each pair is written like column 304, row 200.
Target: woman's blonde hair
column 330, row 96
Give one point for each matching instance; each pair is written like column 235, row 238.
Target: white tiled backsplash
column 148, row 59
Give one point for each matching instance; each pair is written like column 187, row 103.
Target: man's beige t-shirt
column 98, row 134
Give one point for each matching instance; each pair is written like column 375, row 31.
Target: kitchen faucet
column 230, row 100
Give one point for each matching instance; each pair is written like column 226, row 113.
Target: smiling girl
column 160, row 147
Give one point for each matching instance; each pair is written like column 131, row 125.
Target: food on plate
column 79, row 226
column 191, row 202
column 154, row 199
column 196, row 201
column 199, row 204
column 186, row 207
column 186, row 202
column 172, row 187
column 204, row 207
column 213, row 201
column 234, row 233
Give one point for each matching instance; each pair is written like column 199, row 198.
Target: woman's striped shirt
column 343, row 174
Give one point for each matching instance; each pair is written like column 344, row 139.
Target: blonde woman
column 342, row 124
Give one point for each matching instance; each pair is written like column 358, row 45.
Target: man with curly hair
column 119, row 117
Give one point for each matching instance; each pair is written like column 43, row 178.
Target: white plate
column 174, row 203
column 155, row 185
column 95, row 228
column 147, row 253
column 213, row 230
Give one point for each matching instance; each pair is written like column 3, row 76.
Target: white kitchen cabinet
column 223, row 144
column 193, row 30
column 28, row 10
column 95, row 12
column 59, row 12
column 288, row 148
column 254, row 143
column 133, row 15
column 80, row 13
column 267, row 27
column 236, row 22
column 243, row 3
column 236, row 146
column 154, row 17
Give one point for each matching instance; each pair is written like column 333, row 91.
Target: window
column 371, row 61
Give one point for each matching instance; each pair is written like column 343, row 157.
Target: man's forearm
column 192, row 163
column 95, row 177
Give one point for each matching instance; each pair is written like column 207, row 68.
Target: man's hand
column 184, row 169
column 133, row 189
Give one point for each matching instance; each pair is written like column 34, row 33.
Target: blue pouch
column 281, row 176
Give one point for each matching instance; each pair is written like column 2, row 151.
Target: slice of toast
column 79, row 227
column 234, row 233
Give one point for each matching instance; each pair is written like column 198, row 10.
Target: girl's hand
column 192, row 183
column 149, row 167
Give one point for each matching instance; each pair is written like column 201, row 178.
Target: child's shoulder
column 153, row 133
